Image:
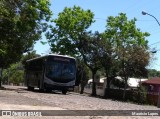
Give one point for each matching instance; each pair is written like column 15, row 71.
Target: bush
column 138, row 96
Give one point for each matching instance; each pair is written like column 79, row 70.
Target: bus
column 51, row 72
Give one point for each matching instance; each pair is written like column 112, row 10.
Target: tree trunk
column 94, row 84
column 108, row 82
column 82, row 87
column 125, row 87
column 82, row 80
column 109, row 79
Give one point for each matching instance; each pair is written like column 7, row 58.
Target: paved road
column 18, row 98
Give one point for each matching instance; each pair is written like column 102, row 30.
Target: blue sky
column 104, row 8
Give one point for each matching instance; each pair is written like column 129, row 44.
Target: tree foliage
column 15, row 73
column 22, row 22
column 108, row 56
column 29, row 55
column 69, row 26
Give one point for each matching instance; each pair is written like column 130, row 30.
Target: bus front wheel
column 64, row 92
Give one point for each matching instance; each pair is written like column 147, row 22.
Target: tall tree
column 129, row 41
column 22, row 22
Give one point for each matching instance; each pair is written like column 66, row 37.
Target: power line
column 141, row 20
column 100, row 19
column 155, row 43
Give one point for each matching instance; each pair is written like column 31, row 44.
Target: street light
column 145, row 13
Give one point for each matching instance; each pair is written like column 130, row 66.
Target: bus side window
column 50, row 69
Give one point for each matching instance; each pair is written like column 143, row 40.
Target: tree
column 90, row 53
column 108, row 56
column 64, row 38
column 29, row 55
column 67, row 37
column 137, row 60
column 153, row 73
column 129, row 44
column 82, row 75
column 14, row 74
column 22, row 22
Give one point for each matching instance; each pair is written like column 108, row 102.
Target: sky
column 104, row 8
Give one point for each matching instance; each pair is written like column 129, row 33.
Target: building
column 132, row 82
column 153, row 89
column 152, row 85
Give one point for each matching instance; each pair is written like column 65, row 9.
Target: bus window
column 60, row 70
column 68, row 70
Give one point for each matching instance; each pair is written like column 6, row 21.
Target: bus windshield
column 60, row 70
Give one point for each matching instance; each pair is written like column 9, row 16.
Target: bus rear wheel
column 64, row 92
column 48, row 90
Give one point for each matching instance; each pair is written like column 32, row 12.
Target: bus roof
column 65, row 56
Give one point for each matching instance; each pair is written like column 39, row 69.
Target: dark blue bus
column 51, row 72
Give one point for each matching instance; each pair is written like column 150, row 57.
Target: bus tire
column 64, row 92
column 41, row 90
column 48, row 90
